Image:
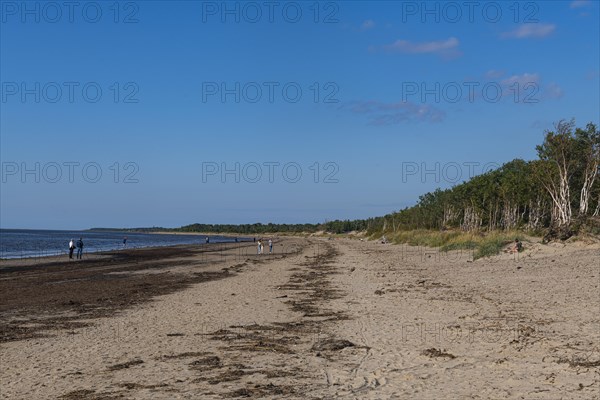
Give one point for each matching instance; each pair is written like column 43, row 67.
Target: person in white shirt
column 71, row 248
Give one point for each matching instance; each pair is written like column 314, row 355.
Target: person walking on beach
column 262, row 247
column 71, row 248
column 125, row 242
column 79, row 249
column 258, row 246
column 270, row 246
column 207, row 240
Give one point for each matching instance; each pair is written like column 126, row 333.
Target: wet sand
column 319, row 319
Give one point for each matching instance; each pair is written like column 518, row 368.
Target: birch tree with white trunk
column 588, row 145
column 557, row 154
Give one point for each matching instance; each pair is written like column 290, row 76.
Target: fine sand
column 318, row 319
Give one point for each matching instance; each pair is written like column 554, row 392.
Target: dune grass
column 483, row 244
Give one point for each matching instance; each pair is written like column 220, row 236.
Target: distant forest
column 258, row 228
column 559, row 191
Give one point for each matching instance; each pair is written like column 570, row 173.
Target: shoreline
column 108, row 254
column 99, row 252
column 92, row 286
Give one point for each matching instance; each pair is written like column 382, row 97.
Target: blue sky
column 346, row 109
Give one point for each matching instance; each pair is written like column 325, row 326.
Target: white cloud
column 580, row 3
column 382, row 114
column 366, row 25
column 530, row 31
column 494, row 74
column 446, row 49
column 406, row 46
column 529, row 87
column 521, row 80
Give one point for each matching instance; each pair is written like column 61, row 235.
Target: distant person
column 262, row 247
column 207, row 240
column 125, row 242
column 517, row 247
column 71, row 248
column 258, row 247
column 236, row 240
column 79, row 249
column 270, row 246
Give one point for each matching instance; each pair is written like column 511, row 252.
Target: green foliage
column 514, row 196
column 483, row 244
column 488, row 249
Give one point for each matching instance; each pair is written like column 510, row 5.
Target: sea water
column 22, row 243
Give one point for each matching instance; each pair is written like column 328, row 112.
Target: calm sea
column 21, row 243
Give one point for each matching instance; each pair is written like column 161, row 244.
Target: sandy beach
column 318, row 319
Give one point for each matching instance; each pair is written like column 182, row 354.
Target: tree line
column 337, row 226
column 559, row 190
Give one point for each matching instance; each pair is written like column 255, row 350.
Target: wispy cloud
column 368, row 24
column 494, row 74
column 530, row 31
column 520, row 80
column 530, row 86
column 445, row 48
column 525, row 87
column 406, row 46
column 580, row 3
column 382, row 114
